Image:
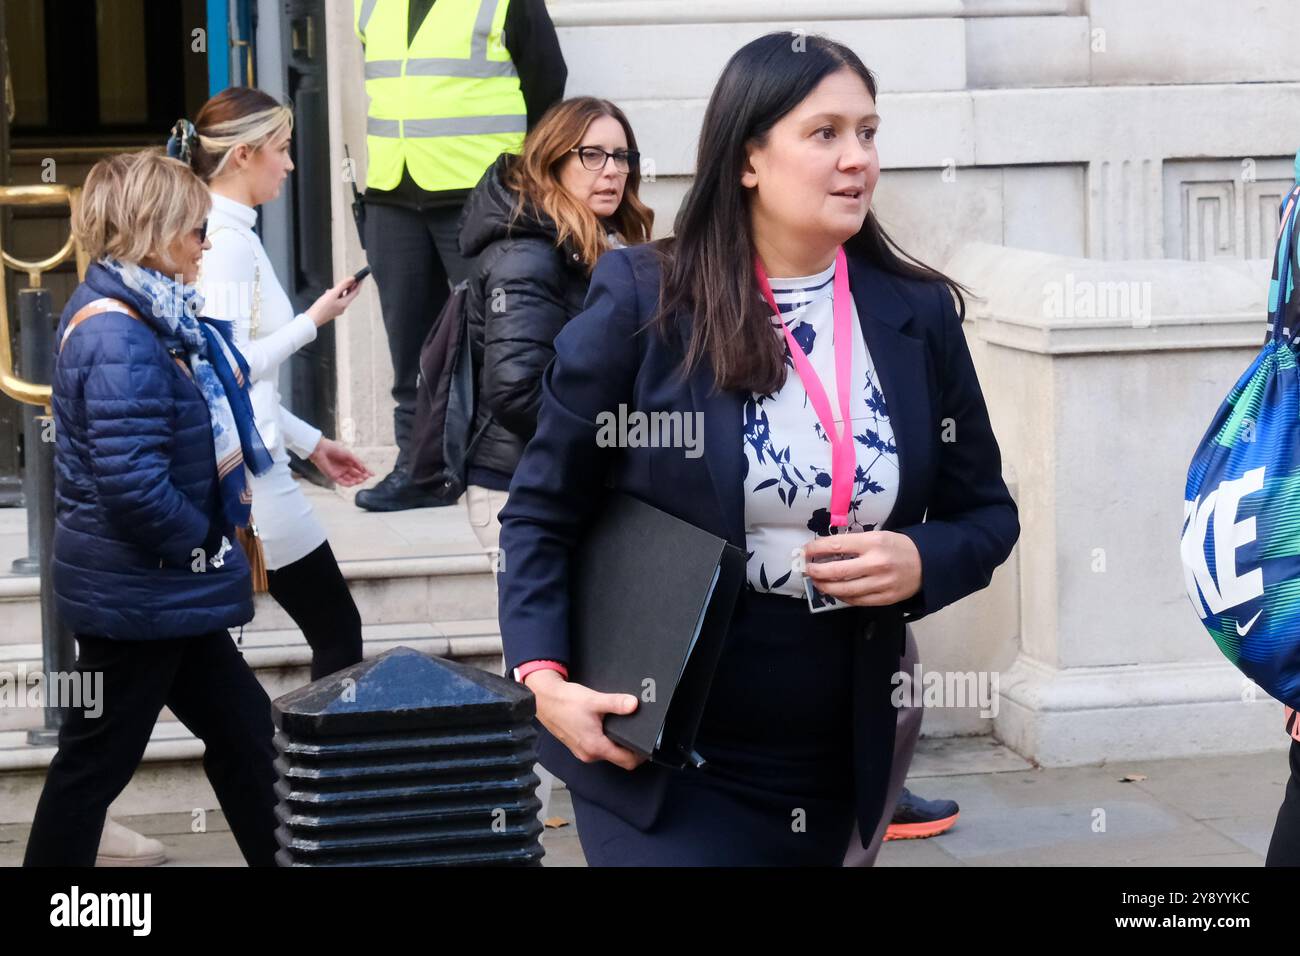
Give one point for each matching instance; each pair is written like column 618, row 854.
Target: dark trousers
column 212, row 691
column 1284, row 848
column 779, row 736
column 315, row 594
column 415, row 259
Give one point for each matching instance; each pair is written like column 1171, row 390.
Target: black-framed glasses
column 595, row 158
column 203, row 232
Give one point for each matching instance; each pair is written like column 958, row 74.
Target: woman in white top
column 239, row 145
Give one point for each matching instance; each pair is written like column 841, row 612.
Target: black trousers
column 315, row 594
column 212, row 691
column 1284, row 848
column 415, row 259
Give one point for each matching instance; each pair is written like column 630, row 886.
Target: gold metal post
column 248, row 60
column 49, row 195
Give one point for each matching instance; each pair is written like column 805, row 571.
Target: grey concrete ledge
column 170, row 741
column 23, row 587
column 1082, row 715
column 585, row 13
column 1053, row 305
column 416, row 567
column 19, row 587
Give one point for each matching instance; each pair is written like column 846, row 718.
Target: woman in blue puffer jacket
column 154, row 431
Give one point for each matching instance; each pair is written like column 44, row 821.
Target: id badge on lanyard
column 843, row 453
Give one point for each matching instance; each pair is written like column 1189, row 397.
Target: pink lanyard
column 843, row 453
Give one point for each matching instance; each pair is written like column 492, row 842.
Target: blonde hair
column 237, row 115
column 137, row 205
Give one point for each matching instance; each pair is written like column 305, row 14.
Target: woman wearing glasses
column 154, row 429
column 537, row 223
column 239, row 146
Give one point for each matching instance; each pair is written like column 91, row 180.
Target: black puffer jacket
column 522, row 291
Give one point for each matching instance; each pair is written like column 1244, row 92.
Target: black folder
column 651, row 603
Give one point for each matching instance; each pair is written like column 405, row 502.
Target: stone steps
column 282, row 660
column 170, row 777
column 386, row 590
column 418, row 579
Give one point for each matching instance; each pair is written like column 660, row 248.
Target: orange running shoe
column 916, row 818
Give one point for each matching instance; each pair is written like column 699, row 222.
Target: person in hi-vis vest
column 452, row 84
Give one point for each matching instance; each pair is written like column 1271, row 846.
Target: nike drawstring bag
column 1241, row 512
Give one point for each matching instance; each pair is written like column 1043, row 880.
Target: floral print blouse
column 788, row 455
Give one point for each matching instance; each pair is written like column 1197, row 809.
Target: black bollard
column 407, row 760
column 36, row 353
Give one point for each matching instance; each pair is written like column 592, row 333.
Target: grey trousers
column 908, row 730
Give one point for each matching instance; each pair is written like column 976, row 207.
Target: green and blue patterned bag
column 1241, row 513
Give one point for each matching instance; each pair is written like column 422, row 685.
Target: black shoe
column 397, row 493
column 918, row 818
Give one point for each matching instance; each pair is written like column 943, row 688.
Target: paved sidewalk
column 1211, row 811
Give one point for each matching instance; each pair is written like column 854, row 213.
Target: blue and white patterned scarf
column 220, row 372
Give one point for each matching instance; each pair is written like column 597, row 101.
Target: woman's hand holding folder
column 575, row 715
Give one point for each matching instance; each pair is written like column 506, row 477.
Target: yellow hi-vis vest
column 446, row 106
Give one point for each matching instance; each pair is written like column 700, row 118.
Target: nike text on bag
column 444, row 404
column 1241, row 513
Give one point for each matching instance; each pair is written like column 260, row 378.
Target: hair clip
column 181, row 142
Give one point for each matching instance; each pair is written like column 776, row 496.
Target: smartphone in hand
column 356, row 278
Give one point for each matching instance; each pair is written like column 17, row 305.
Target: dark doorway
column 10, row 416
column 83, row 79
column 311, row 250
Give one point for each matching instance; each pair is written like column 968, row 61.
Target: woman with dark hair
column 536, row 224
column 847, row 449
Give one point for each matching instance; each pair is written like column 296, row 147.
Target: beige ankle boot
column 122, row 846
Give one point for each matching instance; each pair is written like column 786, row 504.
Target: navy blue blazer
column 952, row 501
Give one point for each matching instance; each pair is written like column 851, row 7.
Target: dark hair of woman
column 708, row 264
